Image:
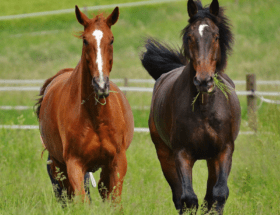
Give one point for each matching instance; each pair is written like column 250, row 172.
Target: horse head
column 98, row 48
column 204, row 43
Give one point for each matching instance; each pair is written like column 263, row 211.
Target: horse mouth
column 103, row 93
column 211, row 89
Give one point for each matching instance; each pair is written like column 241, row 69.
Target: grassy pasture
column 36, row 48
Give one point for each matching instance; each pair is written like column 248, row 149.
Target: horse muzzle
column 204, row 85
column 101, row 88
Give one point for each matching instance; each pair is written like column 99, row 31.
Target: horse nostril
column 196, row 81
column 210, row 81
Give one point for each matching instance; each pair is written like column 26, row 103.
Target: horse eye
column 85, row 42
column 112, row 42
column 217, row 38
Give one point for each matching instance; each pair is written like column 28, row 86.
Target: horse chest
column 94, row 144
column 204, row 131
column 201, row 135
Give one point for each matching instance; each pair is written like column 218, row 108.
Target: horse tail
column 160, row 58
column 43, row 89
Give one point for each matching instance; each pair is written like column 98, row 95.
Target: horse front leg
column 112, row 177
column 217, row 189
column 184, row 164
column 76, row 178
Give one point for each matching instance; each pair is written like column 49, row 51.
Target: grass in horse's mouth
column 220, row 85
column 223, row 87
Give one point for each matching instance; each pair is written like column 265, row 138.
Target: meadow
column 36, row 48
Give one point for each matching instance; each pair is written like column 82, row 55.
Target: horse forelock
column 226, row 38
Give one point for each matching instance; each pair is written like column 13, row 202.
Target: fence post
column 251, row 101
column 125, row 84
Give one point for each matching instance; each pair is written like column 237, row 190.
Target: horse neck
column 85, row 80
column 187, row 76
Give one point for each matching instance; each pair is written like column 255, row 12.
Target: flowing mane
column 222, row 22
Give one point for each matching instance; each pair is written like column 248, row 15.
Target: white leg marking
column 98, row 36
column 201, row 28
column 93, row 182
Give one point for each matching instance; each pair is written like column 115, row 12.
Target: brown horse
column 82, row 126
column 184, row 130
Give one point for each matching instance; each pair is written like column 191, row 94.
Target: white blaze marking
column 201, row 28
column 98, row 36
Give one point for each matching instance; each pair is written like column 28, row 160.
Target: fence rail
column 20, row 107
column 141, row 81
column 143, row 89
column 36, row 127
column 250, row 82
column 142, row 130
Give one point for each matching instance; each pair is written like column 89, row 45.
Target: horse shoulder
column 234, row 107
column 227, row 78
column 123, row 113
column 160, row 113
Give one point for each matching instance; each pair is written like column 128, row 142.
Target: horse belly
column 51, row 139
column 48, row 119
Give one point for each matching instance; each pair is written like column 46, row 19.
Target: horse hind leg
column 53, row 170
column 60, row 180
column 86, row 184
column 217, row 189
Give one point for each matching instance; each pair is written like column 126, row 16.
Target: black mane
column 222, row 22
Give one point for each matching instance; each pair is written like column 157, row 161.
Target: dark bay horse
column 85, row 121
column 182, row 131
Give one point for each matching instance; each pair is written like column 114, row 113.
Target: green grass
column 253, row 182
column 255, row 25
column 25, row 187
column 32, row 6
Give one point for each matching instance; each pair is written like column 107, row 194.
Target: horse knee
column 189, row 201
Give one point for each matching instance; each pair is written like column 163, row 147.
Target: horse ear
column 192, row 8
column 214, row 7
column 113, row 17
column 82, row 18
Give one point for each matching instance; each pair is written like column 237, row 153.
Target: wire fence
column 126, row 89
column 141, row 130
column 143, row 89
column 120, row 80
column 125, row 81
